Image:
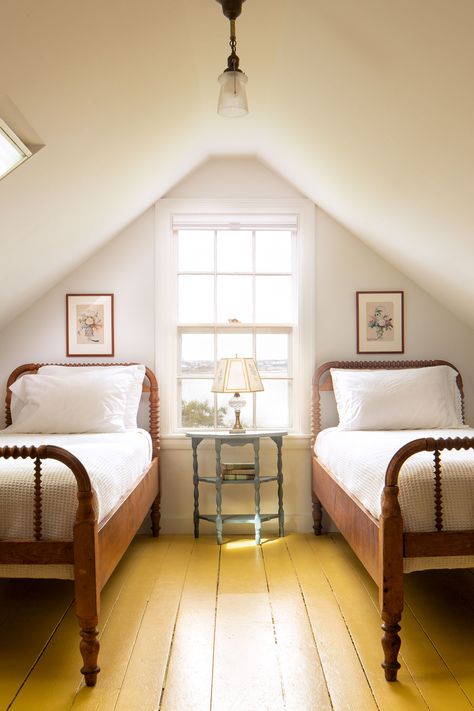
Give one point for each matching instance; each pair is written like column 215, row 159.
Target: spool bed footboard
column 395, row 544
column 81, row 552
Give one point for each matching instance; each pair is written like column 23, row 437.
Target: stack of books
column 238, row 470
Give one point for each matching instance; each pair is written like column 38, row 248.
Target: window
column 235, row 297
column 12, row 150
column 234, row 277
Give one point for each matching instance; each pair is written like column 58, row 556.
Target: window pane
column 231, row 344
column 195, row 299
column 197, row 353
column 234, row 251
column 272, row 353
column 197, row 403
column 273, row 299
column 273, row 404
column 196, row 250
column 273, row 251
column 225, row 414
column 234, row 299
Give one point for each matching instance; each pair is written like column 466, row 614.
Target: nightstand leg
column 258, row 521
column 218, row 492
column 195, row 443
column 281, row 513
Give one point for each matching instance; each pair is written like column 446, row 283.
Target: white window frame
column 169, row 210
column 10, row 136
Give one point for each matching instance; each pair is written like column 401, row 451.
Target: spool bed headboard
column 322, row 381
column 150, row 386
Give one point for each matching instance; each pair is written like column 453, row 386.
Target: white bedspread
column 359, row 460
column 114, row 461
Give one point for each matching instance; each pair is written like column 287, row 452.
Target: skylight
column 12, row 150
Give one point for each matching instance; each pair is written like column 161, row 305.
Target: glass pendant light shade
column 232, row 97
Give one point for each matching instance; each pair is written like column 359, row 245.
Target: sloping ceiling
column 367, row 107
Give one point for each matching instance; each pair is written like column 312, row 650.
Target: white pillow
column 414, row 398
column 134, row 393
column 71, row 405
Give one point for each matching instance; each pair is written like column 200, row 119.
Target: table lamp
column 237, row 375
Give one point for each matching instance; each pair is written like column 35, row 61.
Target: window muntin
column 253, row 314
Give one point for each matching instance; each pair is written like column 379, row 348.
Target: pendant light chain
column 233, row 60
column 232, row 97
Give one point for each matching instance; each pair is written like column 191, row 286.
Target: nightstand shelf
column 237, row 518
column 213, row 480
column 240, row 439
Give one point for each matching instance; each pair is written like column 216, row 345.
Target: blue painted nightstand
column 249, row 437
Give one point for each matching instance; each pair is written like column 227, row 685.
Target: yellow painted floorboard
column 246, row 669
column 120, row 671
column 56, row 677
column 31, row 611
column 442, row 601
column 189, row 678
column 345, row 676
column 437, row 686
column 363, row 622
column 292, row 625
column 304, row 684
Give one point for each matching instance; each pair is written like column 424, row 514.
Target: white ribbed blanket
column 359, row 460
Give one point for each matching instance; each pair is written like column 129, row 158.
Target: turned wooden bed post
column 154, row 426
column 315, row 429
column 391, row 582
column 86, row 587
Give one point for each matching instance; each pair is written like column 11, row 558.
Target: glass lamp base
column 236, row 403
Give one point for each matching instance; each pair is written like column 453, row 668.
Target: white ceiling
column 366, row 107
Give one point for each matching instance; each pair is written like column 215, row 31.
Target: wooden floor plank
column 189, row 678
column 345, row 677
column 128, row 662
column 144, row 677
column 363, row 620
column 437, row 685
column 304, row 684
column 442, row 601
column 54, row 681
column 31, row 612
column 246, row 670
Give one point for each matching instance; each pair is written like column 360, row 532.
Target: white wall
column 125, row 266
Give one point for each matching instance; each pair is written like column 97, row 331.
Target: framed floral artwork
column 90, row 324
column 380, row 322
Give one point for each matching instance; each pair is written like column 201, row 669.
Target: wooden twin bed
column 382, row 543
column 95, row 549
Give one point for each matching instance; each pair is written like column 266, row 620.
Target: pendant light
column 232, row 96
